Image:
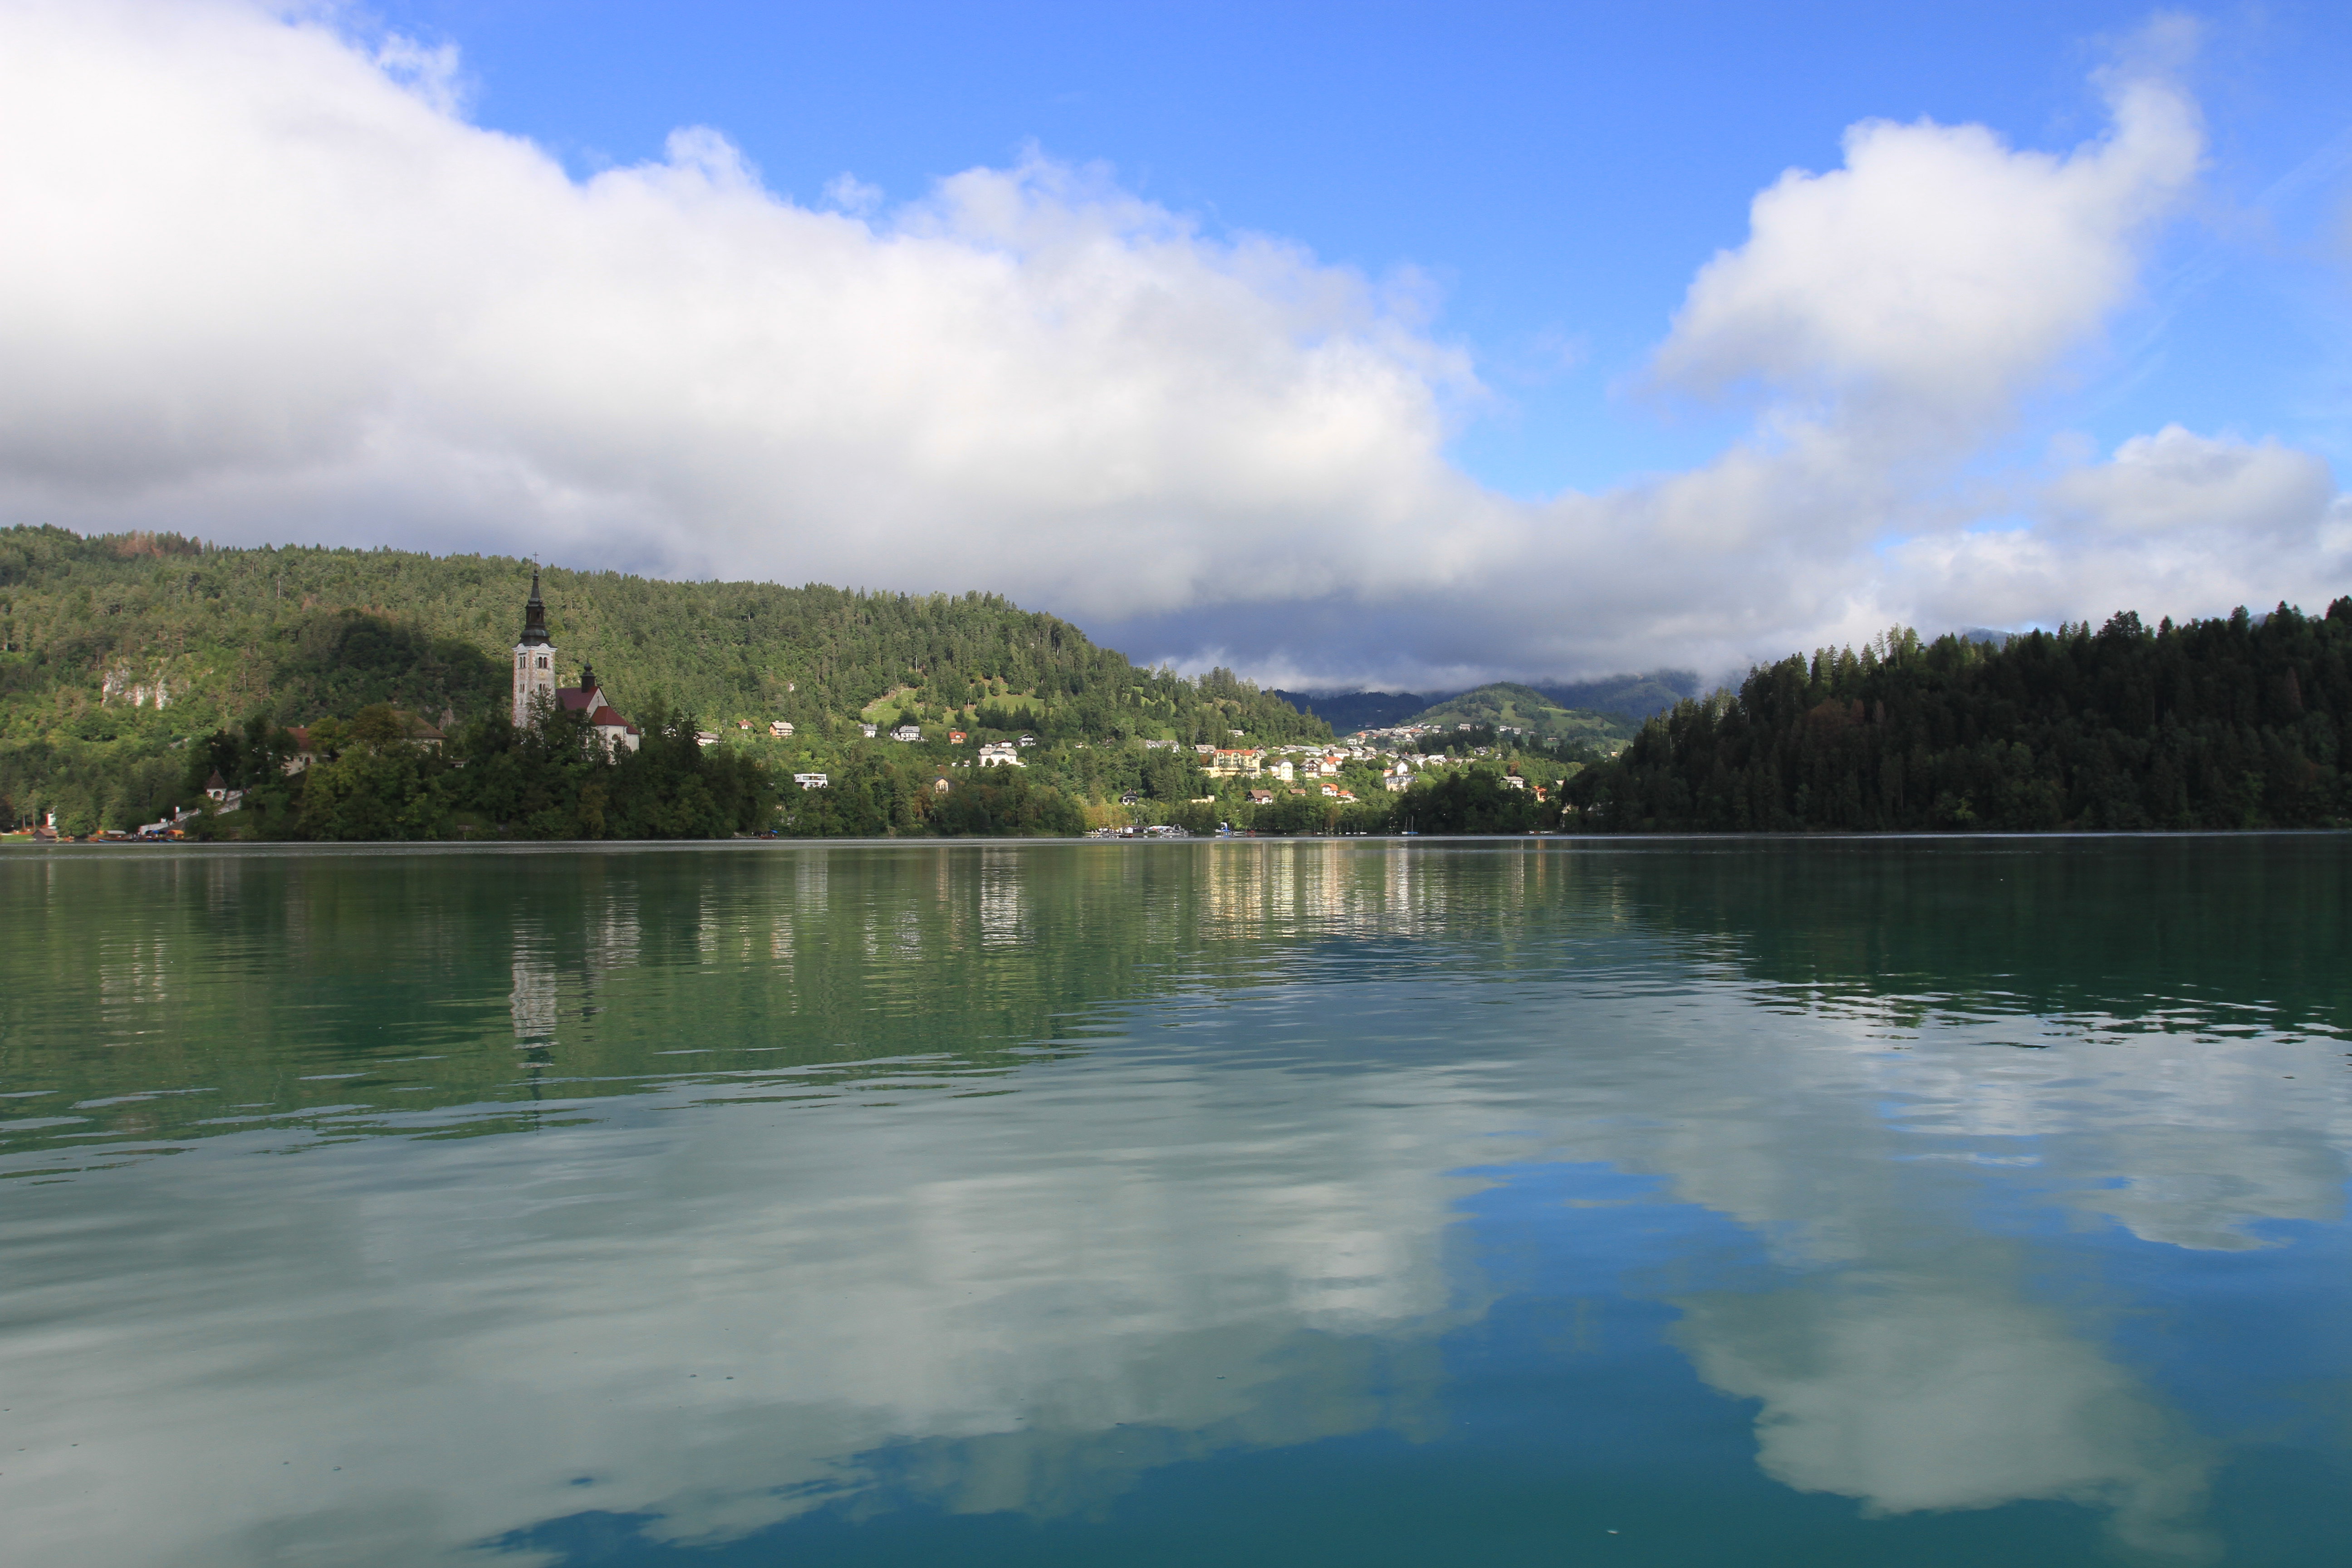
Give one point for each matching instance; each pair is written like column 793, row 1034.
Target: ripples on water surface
column 1966, row 1201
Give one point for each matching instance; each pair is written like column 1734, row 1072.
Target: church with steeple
column 536, row 692
column 534, row 658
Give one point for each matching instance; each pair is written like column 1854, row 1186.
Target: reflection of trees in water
column 2225, row 932
column 413, row 977
column 249, row 976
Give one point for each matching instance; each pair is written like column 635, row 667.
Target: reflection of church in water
column 535, row 690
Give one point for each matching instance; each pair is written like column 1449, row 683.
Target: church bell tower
column 534, row 658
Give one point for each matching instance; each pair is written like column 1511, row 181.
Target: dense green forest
column 118, row 653
column 367, row 779
column 2222, row 723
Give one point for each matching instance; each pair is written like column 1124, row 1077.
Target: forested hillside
column 1351, row 710
column 2216, row 723
column 1505, row 703
column 115, row 652
column 1634, row 696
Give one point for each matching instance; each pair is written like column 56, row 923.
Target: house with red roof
column 588, row 699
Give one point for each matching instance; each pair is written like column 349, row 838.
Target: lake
column 1537, row 1201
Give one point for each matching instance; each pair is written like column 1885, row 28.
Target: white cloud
column 2173, row 518
column 1940, row 271
column 2176, row 483
column 282, row 289
column 851, row 194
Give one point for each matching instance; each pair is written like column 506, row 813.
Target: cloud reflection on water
column 1232, row 1223
column 1927, row 1389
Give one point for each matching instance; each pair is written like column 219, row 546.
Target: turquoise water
column 1952, row 1202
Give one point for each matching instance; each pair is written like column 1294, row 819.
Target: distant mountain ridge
column 1505, row 704
column 1628, row 697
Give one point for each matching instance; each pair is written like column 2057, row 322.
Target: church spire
column 534, row 613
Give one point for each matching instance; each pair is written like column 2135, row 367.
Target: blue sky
column 1455, row 257
column 1555, row 172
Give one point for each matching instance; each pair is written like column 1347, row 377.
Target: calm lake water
column 1959, row 1202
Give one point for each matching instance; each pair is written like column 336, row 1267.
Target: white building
column 534, row 660
column 780, row 729
column 1001, row 754
column 810, row 781
column 225, row 799
column 907, row 732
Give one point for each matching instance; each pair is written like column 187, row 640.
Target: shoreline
column 375, row 848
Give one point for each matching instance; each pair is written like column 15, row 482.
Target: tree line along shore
column 139, row 672
column 2230, row 723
